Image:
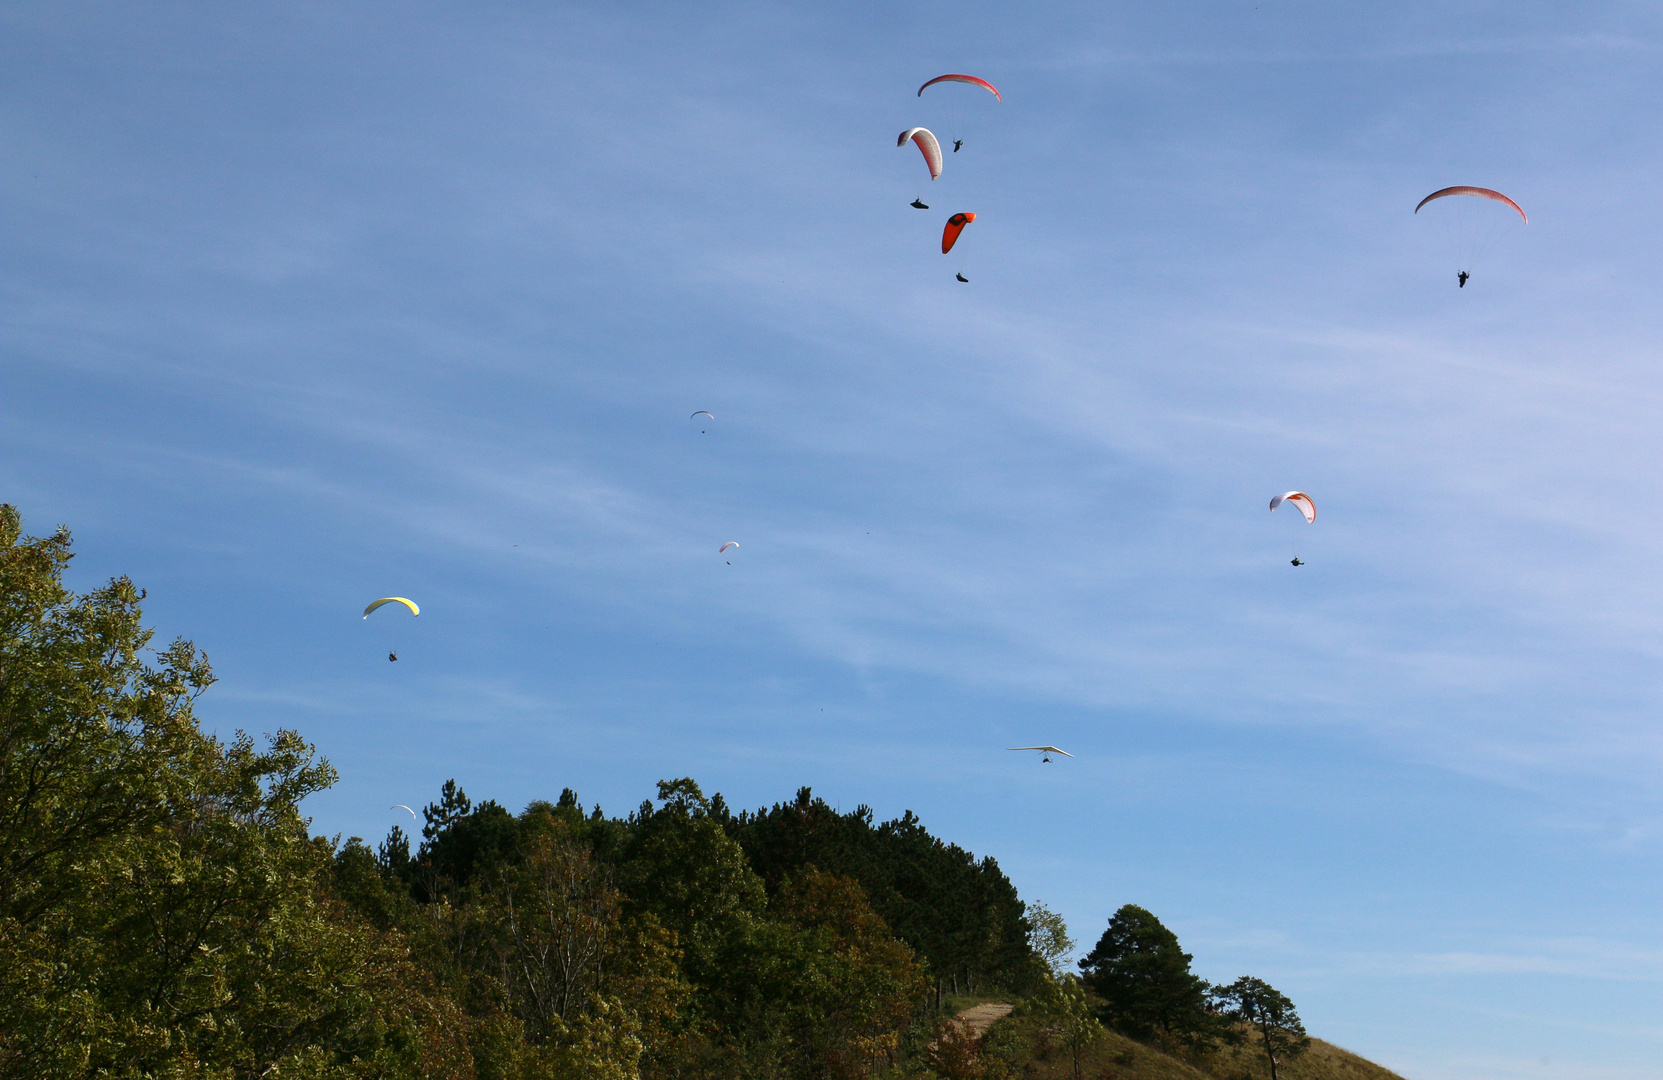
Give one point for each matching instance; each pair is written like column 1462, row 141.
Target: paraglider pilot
column 1461, row 279
column 957, row 143
column 920, row 204
column 1297, row 561
column 392, row 656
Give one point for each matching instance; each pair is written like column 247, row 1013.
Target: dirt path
column 978, row 1018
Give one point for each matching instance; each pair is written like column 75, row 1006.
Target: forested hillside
column 166, row 912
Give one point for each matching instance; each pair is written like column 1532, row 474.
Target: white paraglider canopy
column 928, row 145
column 1300, row 500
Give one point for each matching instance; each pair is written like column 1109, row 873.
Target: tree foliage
column 163, row 911
column 166, row 913
column 1268, row 1012
column 1143, row 977
column 1048, row 937
column 1073, row 1020
column 959, row 913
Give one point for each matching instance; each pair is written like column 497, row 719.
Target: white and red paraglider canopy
column 1300, row 500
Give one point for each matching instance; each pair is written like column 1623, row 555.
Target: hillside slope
column 1021, row 1044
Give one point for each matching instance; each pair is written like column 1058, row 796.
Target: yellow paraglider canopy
column 411, row 604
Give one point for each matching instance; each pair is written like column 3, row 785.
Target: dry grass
column 1018, row 1048
column 1323, row 1061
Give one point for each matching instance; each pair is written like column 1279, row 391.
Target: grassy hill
column 1021, row 1045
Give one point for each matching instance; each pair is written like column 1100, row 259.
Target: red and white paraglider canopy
column 971, row 79
column 1481, row 192
column 1300, row 500
column 927, row 144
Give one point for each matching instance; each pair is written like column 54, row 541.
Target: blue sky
column 307, row 304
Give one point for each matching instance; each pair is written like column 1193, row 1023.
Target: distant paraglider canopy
column 729, row 544
column 1299, row 499
column 971, row 79
column 411, row 604
column 702, row 412
column 1481, row 192
column 955, row 225
column 1471, row 227
column 928, row 145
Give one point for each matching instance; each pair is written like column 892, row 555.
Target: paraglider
column 392, row 655
column 411, row 604
column 971, row 79
column 919, row 204
column 701, row 412
column 1480, row 192
column 1047, row 751
column 962, row 278
column 406, row 809
column 927, row 145
column 1473, row 228
column 1298, row 499
column 729, row 544
column 955, row 225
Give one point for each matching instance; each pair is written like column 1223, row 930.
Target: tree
column 1072, row 1021
column 1048, row 937
column 959, row 913
column 163, row 911
column 1145, row 981
column 682, row 868
column 1267, row 1011
column 856, row 986
column 954, row 1051
column 558, row 942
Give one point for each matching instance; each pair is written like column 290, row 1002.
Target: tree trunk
column 1270, row 1054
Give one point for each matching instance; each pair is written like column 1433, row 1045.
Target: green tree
column 1145, row 981
column 1268, row 1012
column 163, row 911
column 1048, row 937
column 959, row 913
column 681, row 867
column 593, row 991
column 1073, row 1022
column 855, row 985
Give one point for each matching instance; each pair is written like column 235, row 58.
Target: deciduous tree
column 1073, row 1023
column 163, row 910
column 1048, row 937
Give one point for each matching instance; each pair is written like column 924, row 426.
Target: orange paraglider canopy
column 955, row 225
column 1481, row 192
